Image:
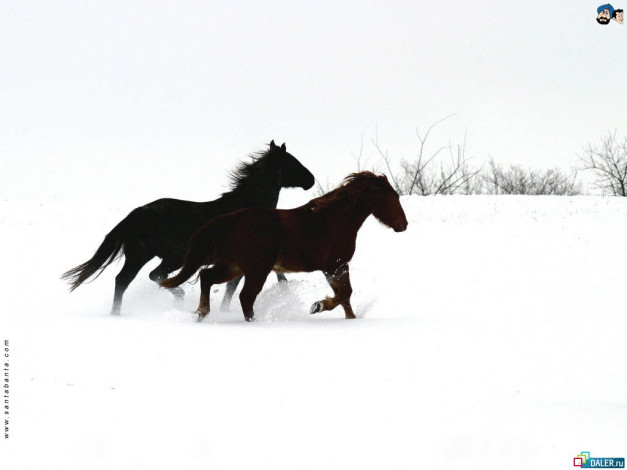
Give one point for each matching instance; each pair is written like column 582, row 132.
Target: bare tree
column 517, row 180
column 425, row 175
column 608, row 160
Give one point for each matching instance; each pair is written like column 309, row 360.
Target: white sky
column 149, row 99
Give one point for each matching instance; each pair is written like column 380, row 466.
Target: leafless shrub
column 518, row 180
column 323, row 188
column 608, row 160
column 447, row 170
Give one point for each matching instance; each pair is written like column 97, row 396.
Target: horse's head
column 388, row 209
column 293, row 173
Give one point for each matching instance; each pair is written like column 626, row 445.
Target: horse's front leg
column 253, row 283
column 340, row 282
column 161, row 273
column 231, row 286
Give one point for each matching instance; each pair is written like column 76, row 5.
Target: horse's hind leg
column 215, row 275
column 132, row 265
column 340, row 282
column 162, row 271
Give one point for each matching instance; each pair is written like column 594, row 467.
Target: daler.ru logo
column 584, row 460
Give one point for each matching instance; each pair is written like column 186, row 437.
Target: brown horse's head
column 374, row 192
column 369, row 191
column 388, row 208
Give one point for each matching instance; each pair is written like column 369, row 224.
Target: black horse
column 163, row 228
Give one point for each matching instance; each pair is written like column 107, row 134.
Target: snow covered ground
column 491, row 335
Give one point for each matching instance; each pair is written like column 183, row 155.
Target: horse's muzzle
column 401, row 228
column 309, row 183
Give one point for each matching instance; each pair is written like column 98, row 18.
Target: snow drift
column 491, row 335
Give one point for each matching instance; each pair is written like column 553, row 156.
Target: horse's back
column 164, row 226
column 169, row 205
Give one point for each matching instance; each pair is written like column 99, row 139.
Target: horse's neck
column 263, row 194
column 352, row 216
column 254, row 197
column 360, row 214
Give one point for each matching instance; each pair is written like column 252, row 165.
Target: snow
column 491, row 335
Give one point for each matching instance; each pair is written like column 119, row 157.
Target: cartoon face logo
column 618, row 16
column 604, row 13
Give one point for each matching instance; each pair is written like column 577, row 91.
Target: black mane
column 248, row 172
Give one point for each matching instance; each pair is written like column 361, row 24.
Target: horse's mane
column 348, row 191
column 247, row 172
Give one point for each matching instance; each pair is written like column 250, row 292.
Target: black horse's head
column 268, row 172
column 293, row 173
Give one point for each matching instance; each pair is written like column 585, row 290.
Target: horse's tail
column 111, row 248
column 201, row 252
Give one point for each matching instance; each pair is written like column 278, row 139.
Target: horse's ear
column 272, row 145
column 283, row 147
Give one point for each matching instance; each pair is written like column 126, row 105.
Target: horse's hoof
column 201, row 315
column 249, row 319
column 315, row 308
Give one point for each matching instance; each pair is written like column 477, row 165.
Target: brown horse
column 319, row 236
